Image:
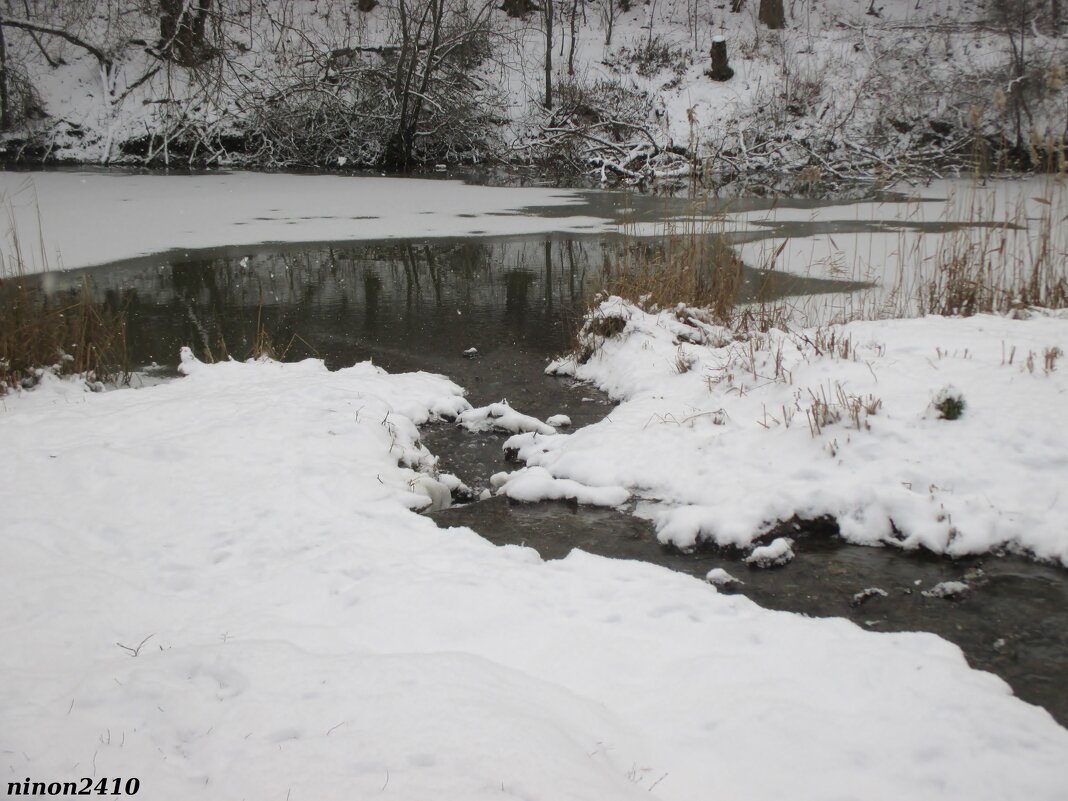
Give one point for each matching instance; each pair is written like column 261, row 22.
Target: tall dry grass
column 1008, row 262
column 690, row 263
column 979, row 253
column 66, row 334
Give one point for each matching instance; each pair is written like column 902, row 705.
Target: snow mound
column 776, row 553
column 532, row 484
column 866, row 595
column 502, row 417
column 721, row 578
column 947, row 589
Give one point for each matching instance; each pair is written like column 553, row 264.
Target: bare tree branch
column 35, row 27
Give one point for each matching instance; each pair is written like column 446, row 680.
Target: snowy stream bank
column 845, row 422
column 306, row 630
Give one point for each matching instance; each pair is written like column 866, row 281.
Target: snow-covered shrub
column 395, row 105
column 598, row 327
column 601, row 123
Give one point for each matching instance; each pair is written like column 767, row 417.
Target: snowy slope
column 840, row 89
column 216, row 585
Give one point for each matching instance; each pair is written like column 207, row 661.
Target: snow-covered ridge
column 845, row 421
column 217, row 585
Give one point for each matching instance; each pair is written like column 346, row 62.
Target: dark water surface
column 415, row 305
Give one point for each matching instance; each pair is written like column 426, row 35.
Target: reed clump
column 1002, row 265
column 688, row 265
column 71, row 334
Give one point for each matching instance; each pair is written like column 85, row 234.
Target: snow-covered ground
column 729, row 437
column 217, row 585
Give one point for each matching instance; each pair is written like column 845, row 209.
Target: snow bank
column 837, row 421
column 216, row 585
column 65, row 220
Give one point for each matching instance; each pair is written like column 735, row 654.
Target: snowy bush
column 651, row 57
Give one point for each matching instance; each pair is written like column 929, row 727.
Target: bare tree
column 571, row 47
column 1018, row 18
column 182, row 25
column 547, row 21
column 610, row 11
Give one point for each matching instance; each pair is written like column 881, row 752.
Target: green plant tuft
column 949, row 404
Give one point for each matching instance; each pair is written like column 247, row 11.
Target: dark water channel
column 415, row 305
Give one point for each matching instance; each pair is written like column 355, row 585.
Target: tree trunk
column 719, row 69
column 772, row 14
column 398, row 151
column 571, row 50
column 609, row 21
column 5, row 119
column 547, row 16
column 182, row 25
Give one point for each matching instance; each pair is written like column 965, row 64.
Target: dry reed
column 69, row 335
